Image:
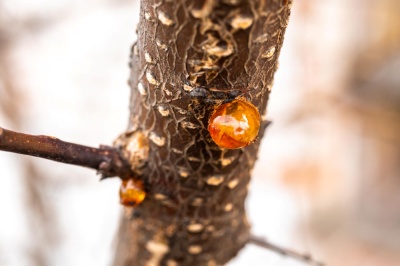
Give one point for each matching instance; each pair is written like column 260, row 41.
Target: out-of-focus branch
column 284, row 251
column 108, row 161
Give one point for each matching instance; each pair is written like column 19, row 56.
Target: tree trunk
column 191, row 56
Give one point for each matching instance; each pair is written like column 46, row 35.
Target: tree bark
column 190, row 57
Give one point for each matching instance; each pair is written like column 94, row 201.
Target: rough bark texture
column 191, row 56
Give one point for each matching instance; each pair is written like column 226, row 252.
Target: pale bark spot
column 138, row 149
column 177, row 151
column 142, row 90
column 197, row 202
column 232, row 2
column 189, row 125
column 164, row 19
column 219, row 51
column 262, row 38
column 215, row 180
column 205, row 10
column 159, row 196
column 228, row 207
column 163, row 110
column 148, row 58
column 211, row 263
column 159, row 141
column 194, row 159
column 187, row 88
column 269, row 53
column 157, row 247
column 172, row 263
column 152, row 80
column 183, row 172
column 161, row 45
column 241, row 22
column 210, row 228
column 147, row 15
column 195, row 228
column 195, row 249
column 233, row 183
column 227, row 161
column 157, row 251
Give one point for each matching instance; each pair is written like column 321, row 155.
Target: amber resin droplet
column 235, row 124
column 131, row 192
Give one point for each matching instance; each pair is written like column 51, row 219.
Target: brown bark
column 191, row 56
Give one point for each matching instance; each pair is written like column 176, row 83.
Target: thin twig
column 108, row 161
column 283, row 251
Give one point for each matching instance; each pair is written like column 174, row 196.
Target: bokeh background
column 328, row 177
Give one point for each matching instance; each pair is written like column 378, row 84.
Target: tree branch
column 108, row 161
column 283, row 251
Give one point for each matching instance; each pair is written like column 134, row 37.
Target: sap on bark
column 235, row 124
column 131, row 192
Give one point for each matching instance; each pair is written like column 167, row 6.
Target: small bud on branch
column 108, row 161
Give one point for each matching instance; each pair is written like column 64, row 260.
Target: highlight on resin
column 235, row 124
column 131, row 192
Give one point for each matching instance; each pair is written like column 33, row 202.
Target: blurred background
column 328, row 177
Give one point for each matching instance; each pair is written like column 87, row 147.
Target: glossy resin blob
column 235, row 124
column 131, row 192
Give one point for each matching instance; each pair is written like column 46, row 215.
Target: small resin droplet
column 234, row 125
column 131, row 192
